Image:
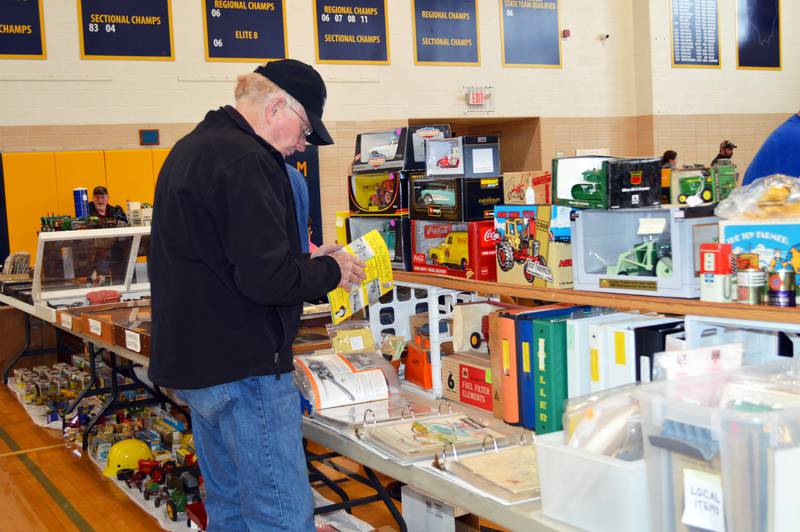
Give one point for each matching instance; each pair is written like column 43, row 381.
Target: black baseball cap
column 726, row 144
column 99, row 190
column 305, row 85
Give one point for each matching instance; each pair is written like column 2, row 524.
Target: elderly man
column 228, row 280
column 100, row 207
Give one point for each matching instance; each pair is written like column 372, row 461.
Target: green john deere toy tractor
column 695, row 185
column 592, row 188
column 650, row 258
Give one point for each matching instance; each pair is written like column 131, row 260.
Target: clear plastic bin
column 591, row 491
column 723, row 450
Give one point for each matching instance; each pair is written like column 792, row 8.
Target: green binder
column 550, row 372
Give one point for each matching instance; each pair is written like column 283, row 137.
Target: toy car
column 448, row 161
column 518, row 246
column 384, row 192
column 440, row 196
column 454, row 250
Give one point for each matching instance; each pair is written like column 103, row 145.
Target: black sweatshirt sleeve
column 249, row 206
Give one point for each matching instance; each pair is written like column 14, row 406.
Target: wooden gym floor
column 47, row 485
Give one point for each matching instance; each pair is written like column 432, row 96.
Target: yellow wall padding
column 159, row 155
column 30, row 186
column 76, row 169
column 129, row 176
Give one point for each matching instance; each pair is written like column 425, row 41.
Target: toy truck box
column 533, row 246
column 380, row 193
column 395, row 230
column 463, row 157
column 594, row 182
column 528, row 188
column 401, row 148
column 702, row 186
column 455, row 199
column 775, row 241
column 467, row 379
column 464, row 249
column 641, row 251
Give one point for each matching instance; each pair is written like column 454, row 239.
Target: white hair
column 255, row 88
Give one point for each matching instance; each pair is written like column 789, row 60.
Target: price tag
column 66, row 321
column 702, row 496
column 94, row 327
column 356, row 343
column 133, row 341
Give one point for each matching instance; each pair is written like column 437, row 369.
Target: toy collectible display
column 594, row 182
column 456, row 199
column 650, row 251
column 458, row 249
column 380, row 151
column 463, row 157
column 702, row 186
column 395, row 230
column 378, row 193
column 527, row 188
column 533, row 246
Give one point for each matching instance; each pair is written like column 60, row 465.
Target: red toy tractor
column 518, row 246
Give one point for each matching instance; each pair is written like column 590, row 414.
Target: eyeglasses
column 307, row 129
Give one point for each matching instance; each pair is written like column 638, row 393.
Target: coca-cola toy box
column 462, row 249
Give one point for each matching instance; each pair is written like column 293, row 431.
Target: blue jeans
column 249, row 442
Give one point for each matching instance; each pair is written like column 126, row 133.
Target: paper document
column 338, row 380
column 370, row 248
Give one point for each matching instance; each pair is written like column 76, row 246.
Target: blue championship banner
column 758, row 25
column 126, row 29
column 446, row 32
column 21, row 30
column 695, row 33
column 351, row 31
column 244, row 30
column 530, row 33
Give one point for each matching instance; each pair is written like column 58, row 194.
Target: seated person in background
column 100, row 207
column 780, row 153
column 726, row 148
column 669, row 159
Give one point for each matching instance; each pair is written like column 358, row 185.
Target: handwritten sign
column 21, row 30
column 446, row 32
column 244, row 30
column 126, row 29
column 695, row 33
column 530, row 33
column 758, row 24
column 351, row 31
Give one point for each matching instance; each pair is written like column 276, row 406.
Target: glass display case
column 70, row 264
column 641, row 251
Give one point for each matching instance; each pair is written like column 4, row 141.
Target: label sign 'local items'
column 126, row 29
column 351, row 31
column 244, row 30
column 530, row 33
column 446, row 32
column 758, row 43
column 21, row 30
column 695, row 33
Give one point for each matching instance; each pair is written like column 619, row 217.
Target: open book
column 351, row 389
column 509, row 474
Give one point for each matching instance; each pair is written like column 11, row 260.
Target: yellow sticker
column 594, row 365
column 488, row 375
column 506, row 357
column 526, row 357
column 619, row 348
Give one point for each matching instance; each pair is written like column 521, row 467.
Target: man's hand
column 326, row 249
column 351, row 268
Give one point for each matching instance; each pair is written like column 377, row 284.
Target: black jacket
column 227, row 275
column 112, row 211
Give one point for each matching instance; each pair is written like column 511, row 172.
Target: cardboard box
column 380, row 151
column 380, row 193
column 702, row 186
column 463, row 157
column 468, row 379
column 533, row 246
column 459, row 249
column 528, row 188
column 455, row 199
column 416, row 143
column 395, row 230
column 594, row 182
column 776, row 241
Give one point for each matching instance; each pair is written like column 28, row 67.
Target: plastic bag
column 773, row 196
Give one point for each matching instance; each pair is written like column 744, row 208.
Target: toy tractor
column 650, row 258
column 519, row 246
column 590, row 189
column 178, row 499
column 695, row 185
column 517, row 192
column 478, row 337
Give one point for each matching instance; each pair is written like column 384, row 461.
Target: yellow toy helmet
column 126, row 454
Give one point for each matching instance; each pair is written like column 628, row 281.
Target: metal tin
column 81, row 198
column 781, row 288
column 750, row 286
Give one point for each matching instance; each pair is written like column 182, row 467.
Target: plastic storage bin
column 723, row 450
column 591, row 491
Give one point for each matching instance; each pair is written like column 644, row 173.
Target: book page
column 338, row 380
column 513, row 469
